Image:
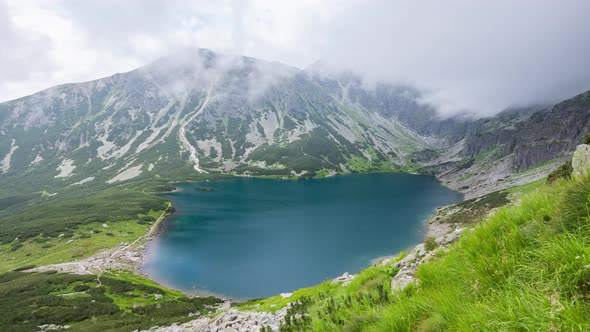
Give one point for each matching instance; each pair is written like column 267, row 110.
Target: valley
column 87, row 170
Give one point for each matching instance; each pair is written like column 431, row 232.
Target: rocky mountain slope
column 200, row 113
column 515, row 147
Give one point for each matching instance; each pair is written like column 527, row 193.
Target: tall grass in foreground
column 526, row 268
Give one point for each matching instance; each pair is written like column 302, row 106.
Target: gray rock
column 401, row 281
column 345, row 279
column 581, row 160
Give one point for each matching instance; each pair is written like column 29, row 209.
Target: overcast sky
column 479, row 56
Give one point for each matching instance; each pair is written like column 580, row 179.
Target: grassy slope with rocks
column 526, row 268
column 64, row 230
column 121, row 302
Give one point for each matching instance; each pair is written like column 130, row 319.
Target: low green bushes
column 562, row 172
column 56, row 218
column 28, row 300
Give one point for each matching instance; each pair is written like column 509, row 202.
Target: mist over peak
column 464, row 56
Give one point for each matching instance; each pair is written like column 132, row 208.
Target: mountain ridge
column 200, row 113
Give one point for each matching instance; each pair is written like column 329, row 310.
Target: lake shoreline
column 425, row 227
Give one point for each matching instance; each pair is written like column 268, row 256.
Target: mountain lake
column 249, row 237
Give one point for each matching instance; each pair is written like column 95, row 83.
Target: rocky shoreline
column 128, row 257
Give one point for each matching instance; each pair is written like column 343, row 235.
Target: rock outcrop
column 345, row 279
column 581, row 160
column 419, row 254
column 231, row 320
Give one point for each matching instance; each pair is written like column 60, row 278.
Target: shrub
column 430, row 244
column 147, row 219
column 164, row 188
column 23, row 268
column 586, row 139
column 15, row 246
column 81, row 288
column 59, row 217
column 562, row 172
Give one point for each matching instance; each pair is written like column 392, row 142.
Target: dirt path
column 123, row 257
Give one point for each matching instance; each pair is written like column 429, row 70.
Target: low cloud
column 466, row 56
column 476, row 56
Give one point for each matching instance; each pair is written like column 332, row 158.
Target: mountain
column 79, row 165
column 199, row 113
column 514, row 147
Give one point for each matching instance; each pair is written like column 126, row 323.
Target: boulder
column 401, row 281
column 346, row 278
column 581, row 160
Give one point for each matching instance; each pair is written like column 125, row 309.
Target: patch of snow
column 106, row 146
column 206, row 145
column 149, row 142
column 193, row 157
column 254, row 136
column 270, row 122
column 66, row 168
column 123, row 150
column 296, row 133
column 344, row 131
column 5, row 164
column 37, row 160
column 86, row 180
column 127, row 174
column 133, row 113
column 150, row 167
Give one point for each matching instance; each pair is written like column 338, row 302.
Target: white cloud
column 480, row 56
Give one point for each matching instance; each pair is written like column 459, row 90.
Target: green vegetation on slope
column 63, row 217
column 526, row 268
column 84, row 241
column 71, row 229
column 562, row 172
column 122, row 302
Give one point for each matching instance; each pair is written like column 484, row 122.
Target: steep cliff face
column 515, row 147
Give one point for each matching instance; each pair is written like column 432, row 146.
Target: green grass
column 564, row 171
column 123, row 302
column 483, row 155
column 526, row 188
column 86, row 241
column 526, row 268
column 57, row 217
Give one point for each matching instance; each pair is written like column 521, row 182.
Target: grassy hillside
column 121, row 302
column 65, row 230
column 526, row 268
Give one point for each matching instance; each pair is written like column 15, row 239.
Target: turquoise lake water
column 250, row 238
